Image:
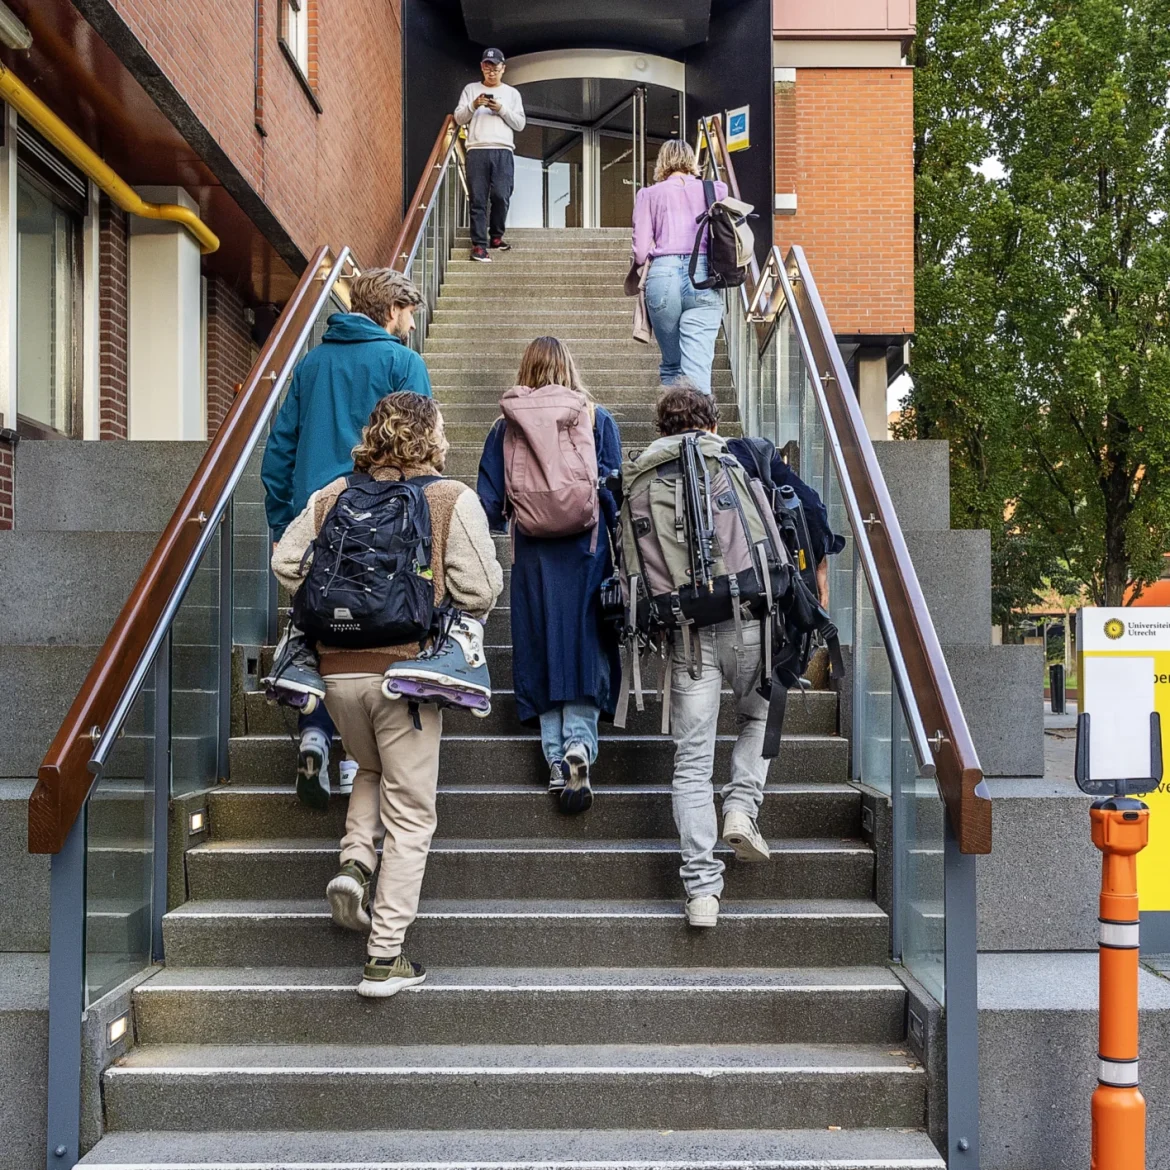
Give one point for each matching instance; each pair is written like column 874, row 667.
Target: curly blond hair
column 405, row 430
column 675, row 156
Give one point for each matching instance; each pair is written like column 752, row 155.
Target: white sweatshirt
column 487, row 130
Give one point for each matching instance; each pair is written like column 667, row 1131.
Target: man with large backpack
column 381, row 562
column 718, row 589
column 362, row 357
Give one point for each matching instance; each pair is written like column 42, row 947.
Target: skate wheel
column 389, row 692
column 482, row 712
column 311, row 705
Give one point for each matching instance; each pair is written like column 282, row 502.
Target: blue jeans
column 685, row 319
column 568, row 724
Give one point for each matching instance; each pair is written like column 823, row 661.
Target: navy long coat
column 560, row 652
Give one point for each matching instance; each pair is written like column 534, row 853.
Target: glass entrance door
column 550, row 182
column 621, row 160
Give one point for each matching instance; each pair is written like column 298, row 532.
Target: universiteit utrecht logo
column 1114, row 629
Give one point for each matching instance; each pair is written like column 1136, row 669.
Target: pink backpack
column 550, row 461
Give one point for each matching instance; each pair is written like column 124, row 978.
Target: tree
column 1044, row 294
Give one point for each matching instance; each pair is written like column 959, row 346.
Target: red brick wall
column 6, row 490
column 334, row 177
column 112, row 307
column 852, row 171
column 230, row 351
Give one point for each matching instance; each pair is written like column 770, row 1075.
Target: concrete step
column 530, row 932
column 497, row 342
column 613, row 329
column 918, row 476
column 497, row 811
column 813, row 712
column 301, row 868
column 603, row 384
column 313, row 1087
column 526, row 1005
column 513, row 264
column 471, row 759
column 954, row 570
column 558, row 281
column 636, row 434
column 574, row 1149
column 531, row 318
column 638, row 416
column 622, row 400
column 566, row 236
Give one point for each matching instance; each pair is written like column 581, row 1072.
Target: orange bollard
column 1121, row 830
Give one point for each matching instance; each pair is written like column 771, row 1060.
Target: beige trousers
column 393, row 798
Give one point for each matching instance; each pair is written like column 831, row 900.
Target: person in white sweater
column 492, row 113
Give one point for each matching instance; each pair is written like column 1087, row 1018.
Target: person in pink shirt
column 685, row 319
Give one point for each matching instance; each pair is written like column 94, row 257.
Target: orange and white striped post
column 1121, row 830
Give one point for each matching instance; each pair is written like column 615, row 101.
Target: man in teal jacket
column 362, row 358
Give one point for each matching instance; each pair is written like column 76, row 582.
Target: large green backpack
column 699, row 546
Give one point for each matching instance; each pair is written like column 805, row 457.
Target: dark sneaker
column 557, row 775
column 500, row 244
column 481, row 254
column 313, row 770
column 577, row 795
column 382, row 978
column 349, row 896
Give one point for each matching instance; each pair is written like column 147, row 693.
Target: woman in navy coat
column 565, row 664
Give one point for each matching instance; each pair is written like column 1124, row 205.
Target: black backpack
column 370, row 582
column 730, row 242
column 803, row 615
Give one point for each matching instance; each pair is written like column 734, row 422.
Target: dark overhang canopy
column 652, row 26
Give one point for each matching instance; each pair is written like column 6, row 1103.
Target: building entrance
column 588, row 148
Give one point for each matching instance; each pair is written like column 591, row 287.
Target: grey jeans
column 694, row 714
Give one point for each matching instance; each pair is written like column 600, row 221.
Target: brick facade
column 113, row 402
column 230, row 350
column 844, row 144
column 332, row 177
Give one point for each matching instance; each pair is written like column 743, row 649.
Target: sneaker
column 313, row 769
column 703, row 910
column 481, row 254
column 294, row 680
column 346, row 771
column 557, row 774
column 577, row 795
column 382, row 978
column 349, row 896
column 500, row 244
column 741, row 833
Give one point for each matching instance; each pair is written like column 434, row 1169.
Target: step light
column 198, row 821
column 118, row 1029
column 13, row 31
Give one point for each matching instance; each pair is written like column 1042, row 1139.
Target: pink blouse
column 665, row 214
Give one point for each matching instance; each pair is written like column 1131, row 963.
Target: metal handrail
column 414, row 223
column 938, row 731
column 86, row 736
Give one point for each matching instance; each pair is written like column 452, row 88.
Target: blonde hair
column 404, row 430
column 548, row 362
column 377, row 292
column 675, row 156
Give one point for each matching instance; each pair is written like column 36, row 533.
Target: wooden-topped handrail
column 415, row 217
column 64, row 778
column 935, row 706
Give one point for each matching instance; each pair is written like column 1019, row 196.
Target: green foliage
column 1043, row 296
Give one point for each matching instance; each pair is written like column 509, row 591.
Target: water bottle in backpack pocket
column 370, row 581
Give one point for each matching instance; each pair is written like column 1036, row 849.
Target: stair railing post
column 161, row 775
column 961, row 1012
column 227, row 567
column 899, row 831
column 66, row 998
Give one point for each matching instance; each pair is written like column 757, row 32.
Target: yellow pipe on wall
column 18, row 95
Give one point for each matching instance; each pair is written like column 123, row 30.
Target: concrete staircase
column 570, row 1017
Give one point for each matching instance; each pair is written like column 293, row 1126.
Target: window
column 50, row 212
column 297, row 33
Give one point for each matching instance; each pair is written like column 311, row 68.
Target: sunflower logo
column 1114, row 629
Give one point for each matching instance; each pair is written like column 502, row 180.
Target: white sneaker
column 313, row 770
column 741, row 833
column 346, row 771
column 703, row 910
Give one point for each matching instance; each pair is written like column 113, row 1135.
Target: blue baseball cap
column 492, row 57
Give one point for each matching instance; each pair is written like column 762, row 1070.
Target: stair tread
column 528, row 788
column 551, row 979
column 798, row 737
column 541, row 908
column 527, row 845
column 780, row 1149
column 516, row 1059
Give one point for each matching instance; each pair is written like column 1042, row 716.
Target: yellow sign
column 1123, row 674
